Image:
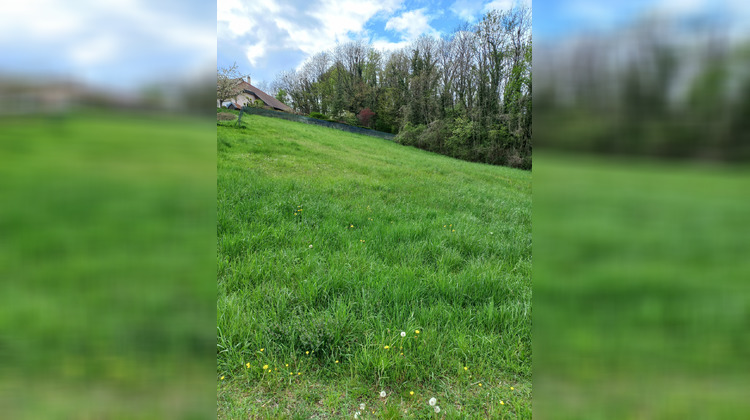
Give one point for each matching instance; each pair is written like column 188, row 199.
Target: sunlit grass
column 331, row 244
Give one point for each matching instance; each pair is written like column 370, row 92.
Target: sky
column 554, row 19
column 265, row 37
column 118, row 44
column 123, row 44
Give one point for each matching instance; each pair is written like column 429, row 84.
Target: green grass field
column 640, row 289
column 331, row 244
column 106, row 266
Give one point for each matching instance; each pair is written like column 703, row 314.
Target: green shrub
column 320, row 116
column 409, row 135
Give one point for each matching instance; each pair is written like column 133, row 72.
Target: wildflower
column 403, row 333
column 222, row 378
column 307, row 352
column 299, row 373
column 402, row 354
column 466, row 368
column 454, row 230
column 511, row 388
column 265, row 367
column 490, row 233
column 437, row 408
column 291, row 373
column 356, row 415
column 262, row 349
column 502, row 403
column 351, row 226
column 444, row 226
column 248, row 365
column 287, row 365
column 362, row 406
column 480, row 384
column 382, row 394
column 310, row 245
column 416, row 331
column 410, row 392
column 433, row 401
column 386, row 347
column 337, row 361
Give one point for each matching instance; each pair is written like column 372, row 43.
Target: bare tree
column 228, row 83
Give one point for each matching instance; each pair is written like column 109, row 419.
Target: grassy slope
column 402, row 240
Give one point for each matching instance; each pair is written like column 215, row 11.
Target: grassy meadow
column 350, row 266
column 106, row 242
column 640, row 289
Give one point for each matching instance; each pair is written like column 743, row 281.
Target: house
column 250, row 94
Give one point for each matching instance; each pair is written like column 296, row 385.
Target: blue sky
column 554, row 19
column 265, row 37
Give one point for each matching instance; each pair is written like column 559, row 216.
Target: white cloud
column 411, row 24
column 466, row 9
column 266, row 29
column 254, row 52
column 499, row 5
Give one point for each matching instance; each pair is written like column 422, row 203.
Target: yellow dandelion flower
column 337, row 361
column 386, row 347
column 287, row 365
column 466, row 368
column 444, row 226
column 222, row 378
column 480, row 384
column 416, row 331
column 411, row 392
column 299, row 373
column 454, row 230
column 351, row 226
column 290, row 373
column 248, row 364
column 307, row 352
column 262, row 349
column 502, row 403
column 265, row 367
column 511, row 388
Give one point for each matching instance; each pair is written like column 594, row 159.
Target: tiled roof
column 268, row 99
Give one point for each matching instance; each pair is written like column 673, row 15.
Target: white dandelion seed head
column 356, row 415
column 362, row 406
column 433, row 401
column 403, row 333
column 437, row 408
column 310, row 245
column 382, row 394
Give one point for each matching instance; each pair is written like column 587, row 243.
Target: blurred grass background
column 640, row 212
column 107, row 260
column 640, row 293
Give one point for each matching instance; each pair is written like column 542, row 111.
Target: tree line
column 658, row 87
column 466, row 95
